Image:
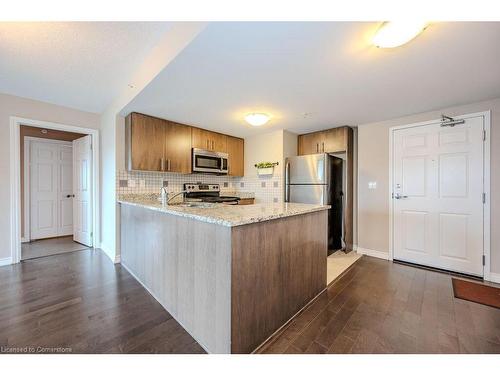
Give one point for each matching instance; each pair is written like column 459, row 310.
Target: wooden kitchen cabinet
column 154, row 144
column 235, row 150
column 311, row 143
column 177, row 147
column 145, row 139
column 336, row 139
column 332, row 140
column 207, row 140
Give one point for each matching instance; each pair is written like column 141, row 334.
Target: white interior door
column 438, row 196
column 51, row 187
column 65, row 196
column 82, row 177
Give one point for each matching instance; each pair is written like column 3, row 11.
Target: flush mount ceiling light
column 395, row 34
column 257, row 119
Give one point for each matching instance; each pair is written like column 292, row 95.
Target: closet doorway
column 56, row 194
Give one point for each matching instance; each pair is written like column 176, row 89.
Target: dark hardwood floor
column 383, row 307
column 83, row 303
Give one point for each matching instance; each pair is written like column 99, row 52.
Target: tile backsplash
column 267, row 189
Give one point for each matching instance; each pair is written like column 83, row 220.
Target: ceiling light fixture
column 257, row 119
column 395, row 34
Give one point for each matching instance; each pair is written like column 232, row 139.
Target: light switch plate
column 131, row 183
column 372, row 185
column 142, row 183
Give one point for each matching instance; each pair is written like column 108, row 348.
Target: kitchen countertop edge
column 182, row 212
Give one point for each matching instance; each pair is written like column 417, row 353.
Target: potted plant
column 265, row 168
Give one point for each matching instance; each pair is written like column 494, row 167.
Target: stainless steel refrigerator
column 319, row 179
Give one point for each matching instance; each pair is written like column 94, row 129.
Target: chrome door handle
column 399, row 196
column 162, row 167
column 168, row 165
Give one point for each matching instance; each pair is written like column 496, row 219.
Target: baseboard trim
column 5, row 261
column 110, row 254
column 494, row 277
column 373, row 253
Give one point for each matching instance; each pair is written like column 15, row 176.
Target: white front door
column 438, row 196
column 51, row 187
column 82, row 177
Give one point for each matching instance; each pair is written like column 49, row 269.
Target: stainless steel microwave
column 205, row 161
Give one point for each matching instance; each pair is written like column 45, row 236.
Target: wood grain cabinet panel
column 310, row 143
column 154, row 144
column 208, row 140
column 335, row 139
column 235, row 150
column 177, row 147
column 145, row 138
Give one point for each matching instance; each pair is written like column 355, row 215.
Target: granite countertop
column 226, row 215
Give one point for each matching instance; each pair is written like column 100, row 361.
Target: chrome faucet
column 166, row 197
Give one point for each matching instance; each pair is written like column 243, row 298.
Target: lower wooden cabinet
column 246, row 201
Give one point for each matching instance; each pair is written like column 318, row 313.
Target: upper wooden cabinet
column 177, row 147
column 235, row 150
column 208, row 140
column 332, row 140
column 145, row 142
column 154, row 144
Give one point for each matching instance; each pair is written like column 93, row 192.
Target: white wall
column 274, row 146
column 373, row 165
column 35, row 110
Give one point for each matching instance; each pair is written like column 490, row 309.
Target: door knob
column 399, row 196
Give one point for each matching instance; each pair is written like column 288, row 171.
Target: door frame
column 15, row 178
column 486, row 183
column 27, row 178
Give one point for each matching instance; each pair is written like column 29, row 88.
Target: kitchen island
column 231, row 275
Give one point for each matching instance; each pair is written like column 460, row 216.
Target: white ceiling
column 328, row 70
column 82, row 65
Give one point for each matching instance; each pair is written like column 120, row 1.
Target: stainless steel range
column 207, row 193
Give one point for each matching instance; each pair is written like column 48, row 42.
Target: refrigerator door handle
column 287, row 181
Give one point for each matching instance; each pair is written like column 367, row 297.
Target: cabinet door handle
column 168, row 165
column 213, row 145
column 323, row 146
column 162, row 164
column 317, row 147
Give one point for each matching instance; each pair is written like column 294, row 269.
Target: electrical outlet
column 131, row 183
column 142, row 183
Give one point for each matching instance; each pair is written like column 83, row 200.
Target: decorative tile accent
column 123, row 183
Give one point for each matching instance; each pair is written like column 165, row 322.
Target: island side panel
column 278, row 266
column 186, row 266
